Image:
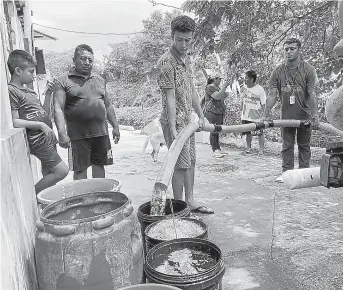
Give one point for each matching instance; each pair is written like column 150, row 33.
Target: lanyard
column 292, row 76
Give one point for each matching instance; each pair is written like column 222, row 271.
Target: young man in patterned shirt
column 178, row 98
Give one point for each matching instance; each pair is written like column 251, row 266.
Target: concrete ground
column 271, row 238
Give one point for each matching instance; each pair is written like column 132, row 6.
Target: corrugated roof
column 42, row 36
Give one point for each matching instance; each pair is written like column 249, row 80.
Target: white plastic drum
column 69, row 189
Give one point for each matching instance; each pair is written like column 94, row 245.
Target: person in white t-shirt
column 253, row 100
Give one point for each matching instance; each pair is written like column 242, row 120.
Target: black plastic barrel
column 180, row 209
column 150, row 242
column 84, row 241
column 209, row 279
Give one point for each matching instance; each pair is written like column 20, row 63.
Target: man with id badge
column 295, row 81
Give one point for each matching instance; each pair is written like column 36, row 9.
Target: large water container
column 89, row 241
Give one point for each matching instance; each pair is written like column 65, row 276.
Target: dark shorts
column 254, row 133
column 45, row 150
column 214, row 118
column 187, row 157
column 91, row 151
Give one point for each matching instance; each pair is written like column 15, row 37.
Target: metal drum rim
column 89, row 219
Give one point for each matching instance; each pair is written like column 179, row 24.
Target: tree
column 58, row 63
column 249, row 34
column 132, row 61
column 130, row 66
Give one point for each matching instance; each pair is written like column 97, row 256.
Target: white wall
column 18, row 199
column 18, row 214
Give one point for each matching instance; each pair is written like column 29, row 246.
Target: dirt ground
column 271, row 237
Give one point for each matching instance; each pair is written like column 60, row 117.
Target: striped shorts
column 187, row 157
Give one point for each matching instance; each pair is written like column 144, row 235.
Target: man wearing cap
column 214, row 108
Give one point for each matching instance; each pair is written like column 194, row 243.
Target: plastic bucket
column 180, row 208
column 84, row 241
column 150, row 287
column 151, row 241
column 69, row 189
column 209, row 278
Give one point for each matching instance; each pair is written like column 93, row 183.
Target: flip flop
column 203, row 209
column 279, row 179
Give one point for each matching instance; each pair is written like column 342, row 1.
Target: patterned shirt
column 176, row 74
column 293, row 86
column 85, row 110
column 253, row 99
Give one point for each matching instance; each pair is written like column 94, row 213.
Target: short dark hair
column 82, row 47
column 182, row 23
column 210, row 81
column 251, row 74
column 19, row 58
column 293, row 40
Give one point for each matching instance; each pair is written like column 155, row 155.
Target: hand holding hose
column 314, row 121
column 201, row 123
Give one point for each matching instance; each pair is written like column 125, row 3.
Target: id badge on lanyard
column 292, row 99
column 292, row 96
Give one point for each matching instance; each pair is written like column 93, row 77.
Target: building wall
column 18, row 199
column 6, row 119
column 18, row 214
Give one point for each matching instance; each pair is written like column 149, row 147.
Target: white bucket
column 64, row 190
column 302, row 178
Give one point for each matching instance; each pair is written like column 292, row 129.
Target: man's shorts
column 254, row 133
column 187, row 156
column 45, row 150
column 90, row 151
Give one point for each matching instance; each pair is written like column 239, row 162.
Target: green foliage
column 130, row 66
column 58, row 63
column 137, row 117
column 250, row 34
column 246, row 34
column 134, row 61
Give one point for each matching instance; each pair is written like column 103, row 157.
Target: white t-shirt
column 252, row 98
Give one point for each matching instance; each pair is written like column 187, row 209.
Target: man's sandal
column 202, row 209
